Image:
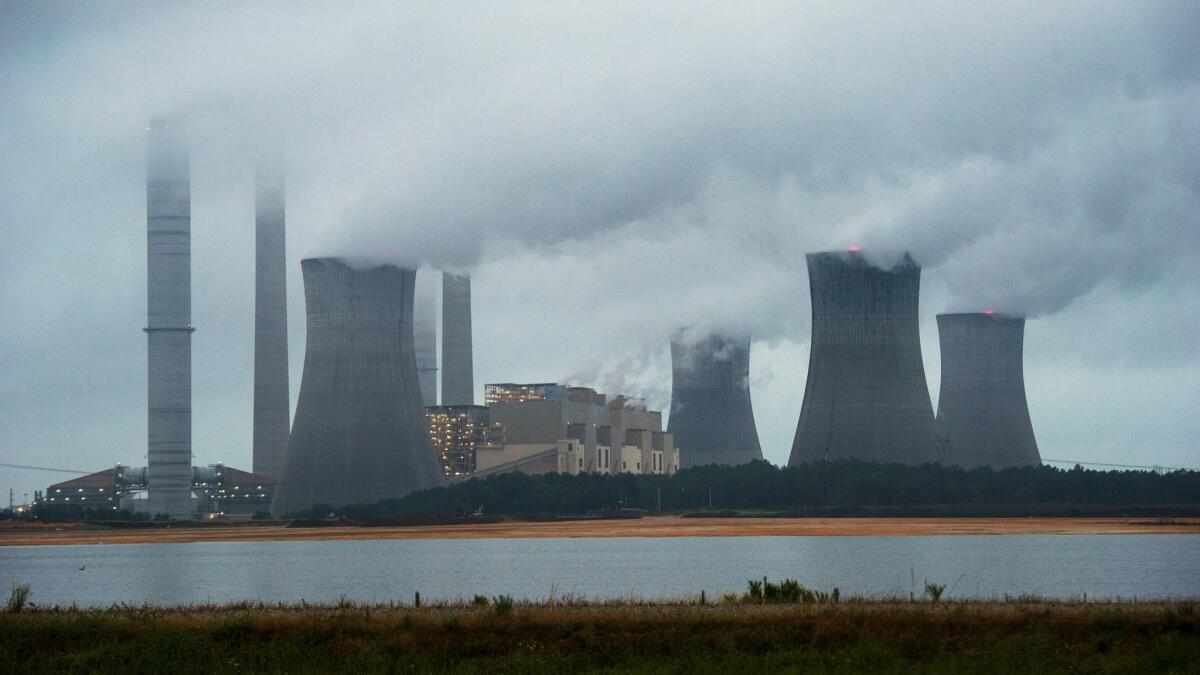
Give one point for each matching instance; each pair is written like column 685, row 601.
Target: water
column 1126, row 566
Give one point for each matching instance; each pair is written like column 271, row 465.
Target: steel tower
column 982, row 411
column 359, row 434
column 866, row 395
column 711, row 415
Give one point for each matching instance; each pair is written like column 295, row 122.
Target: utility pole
column 710, row 496
column 659, row 490
column 10, row 499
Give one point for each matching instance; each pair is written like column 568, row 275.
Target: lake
column 1099, row 566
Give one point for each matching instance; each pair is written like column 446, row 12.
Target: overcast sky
column 609, row 173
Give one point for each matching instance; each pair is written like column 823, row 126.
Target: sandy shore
column 659, row 526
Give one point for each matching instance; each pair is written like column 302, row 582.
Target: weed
column 934, row 591
column 479, row 601
column 503, row 604
column 17, row 598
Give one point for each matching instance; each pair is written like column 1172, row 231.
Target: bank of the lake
column 38, row 534
column 852, row 636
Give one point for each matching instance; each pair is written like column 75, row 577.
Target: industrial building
column 214, row 490
column 359, row 433
column 169, row 318
column 712, row 419
column 271, row 401
column 458, row 432
column 866, row 396
column 548, row 427
column 983, row 416
column 458, row 379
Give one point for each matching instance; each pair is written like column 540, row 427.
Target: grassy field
column 490, row 635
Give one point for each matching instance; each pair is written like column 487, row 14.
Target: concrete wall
column 458, row 379
column 982, row 410
column 711, row 414
column 866, row 395
column 360, row 433
column 271, row 398
column 169, row 318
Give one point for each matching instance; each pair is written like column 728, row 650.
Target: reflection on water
column 1143, row 566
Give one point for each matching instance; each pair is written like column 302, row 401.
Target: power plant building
column 271, row 398
column 549, row 427
column 459, row 433
column 169, row 318
column 458, row 379
column 982, row 413
column 711, row 416
column 359, row 434
column 215, row 490
column 866, row 396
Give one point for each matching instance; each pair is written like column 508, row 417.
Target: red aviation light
column 855, row 248
column 989, row 311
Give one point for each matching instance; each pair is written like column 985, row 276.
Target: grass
column 568, row 634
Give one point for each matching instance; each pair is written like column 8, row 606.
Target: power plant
column 866, row 396
column 169, row 318
column 359, row 433
column 982, row 411
column 458, row 380
column 271, row 402
column 711, row 417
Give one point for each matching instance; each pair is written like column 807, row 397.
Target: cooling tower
column 425, row 337
column 270, row 320
column 458, row 380
column 359, row 434
column 169, row 318
column 866, row 396
column 711, row 416
column 982, row 411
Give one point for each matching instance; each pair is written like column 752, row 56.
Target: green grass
column 570, row 635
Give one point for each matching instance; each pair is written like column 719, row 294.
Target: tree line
column 760, row 485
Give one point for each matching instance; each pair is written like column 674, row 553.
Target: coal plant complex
column 711, row 417
column 359, row 434
column 369, row 424
column 982, row 413
column 866, row 396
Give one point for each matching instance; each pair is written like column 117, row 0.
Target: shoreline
column 67, row 534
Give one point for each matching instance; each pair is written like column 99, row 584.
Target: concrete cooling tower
column 359, row 434
column 711, row 416
column 982, row 412
column 866, row 396
column 169, row 318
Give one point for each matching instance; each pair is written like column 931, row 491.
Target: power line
column 43, row 468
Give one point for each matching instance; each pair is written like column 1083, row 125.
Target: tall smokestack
column 425, row 336
column 359, row 434
column 458, row 379
column 866, row 395
column 711, row 416
column 270, row 319
column 982, row 410
column 169, row 318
